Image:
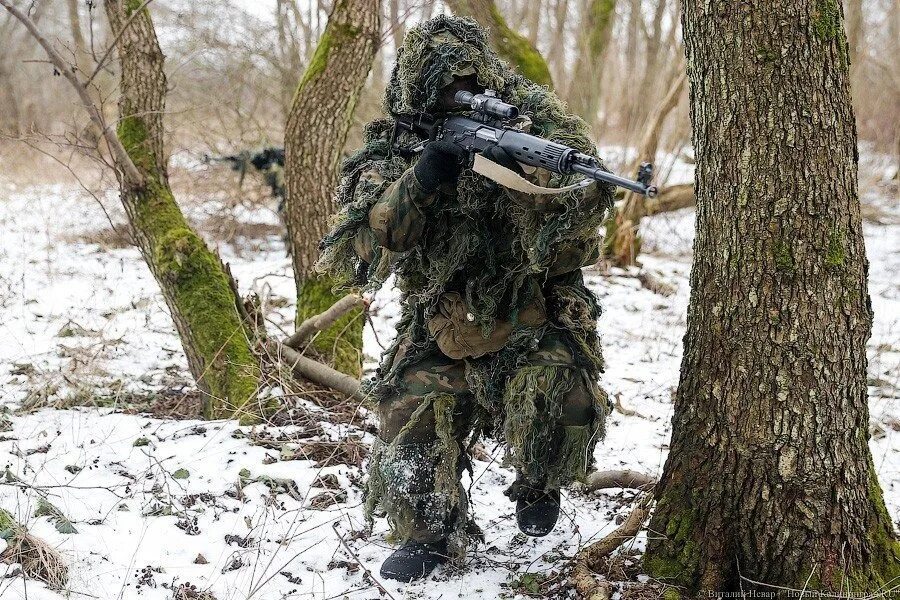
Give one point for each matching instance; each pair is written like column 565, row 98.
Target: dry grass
column 38, row 560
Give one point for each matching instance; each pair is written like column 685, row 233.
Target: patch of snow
column 76, row 314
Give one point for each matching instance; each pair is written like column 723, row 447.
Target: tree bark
column 193, row 281
column 584, row 86
column 316, row 131
column 770, row 481
column 510, row 45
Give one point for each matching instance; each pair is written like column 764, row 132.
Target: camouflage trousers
column 552, row 417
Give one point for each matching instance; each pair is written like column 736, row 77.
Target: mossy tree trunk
column 510, row 45
column 194, row 283
column 770, row 478
column 317, row 127
column 584, row 87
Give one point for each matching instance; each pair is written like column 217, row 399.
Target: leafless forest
column 183, row 411
column 233, row 68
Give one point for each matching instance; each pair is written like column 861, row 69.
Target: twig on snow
column 366, row 571
column 587, row 586
column 626, row 478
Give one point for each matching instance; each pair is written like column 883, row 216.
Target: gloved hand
column 503, row 158
column 441, row 162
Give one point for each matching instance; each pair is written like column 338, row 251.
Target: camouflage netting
column 489, row 248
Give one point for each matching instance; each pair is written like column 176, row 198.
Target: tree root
column 635, row 480
column 582, row 577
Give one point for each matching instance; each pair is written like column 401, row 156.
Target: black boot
column 537, row 511
column 414, row 560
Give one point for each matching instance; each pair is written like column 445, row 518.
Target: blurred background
column 233, row 66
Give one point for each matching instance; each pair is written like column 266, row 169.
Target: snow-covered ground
column 162, row 503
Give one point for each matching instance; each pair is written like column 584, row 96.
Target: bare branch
column 315, row 371
column 120, row 155
column 589, row 558
column 320, row 322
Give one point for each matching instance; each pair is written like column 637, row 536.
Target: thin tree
column 320, row 118
column 196, row 287
column 509, row 44
column 596, row 30
column 770, row 483
column 622, row 241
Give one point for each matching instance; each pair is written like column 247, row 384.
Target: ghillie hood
column 436, row 52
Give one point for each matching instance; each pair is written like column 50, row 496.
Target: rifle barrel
column 599, row 174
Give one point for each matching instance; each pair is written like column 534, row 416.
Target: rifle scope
column 487, row 103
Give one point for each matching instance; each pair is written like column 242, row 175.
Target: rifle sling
column 512, row 180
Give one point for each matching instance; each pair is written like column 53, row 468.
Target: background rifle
column 269, row 161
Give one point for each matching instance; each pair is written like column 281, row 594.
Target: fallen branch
column 628, row 412
column 626, row 478
column 655, row 284
column 673, row 197
column 320, row 322
column 587, row 586
column 315, row 371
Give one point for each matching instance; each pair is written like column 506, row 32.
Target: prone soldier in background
column 270, row 162
column 498, row 332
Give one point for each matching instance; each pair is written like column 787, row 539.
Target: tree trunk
column 854, row 12
column 535, row 8
column 317, row 128
column 556, row 54
column 584, row 86
column 770, row 481
column 398, row 29
column 510, row 45
column 194, row 283
column 11, row 121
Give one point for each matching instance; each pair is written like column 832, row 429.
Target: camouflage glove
column 440, row 162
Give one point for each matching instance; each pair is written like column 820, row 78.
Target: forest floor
column 172, row 507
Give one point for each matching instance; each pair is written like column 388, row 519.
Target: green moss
column 784, row 260
column 342, row 342
column 602, row 13
column 204, row 297
column 835, row 254
column 132, row 5
column 516, row 49
column 132, row 132
column 827, row 19
column 671, row 594
column 675, row 559
column 8, row 525
column 766, row 55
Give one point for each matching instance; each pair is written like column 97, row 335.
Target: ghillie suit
column 498, row 332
